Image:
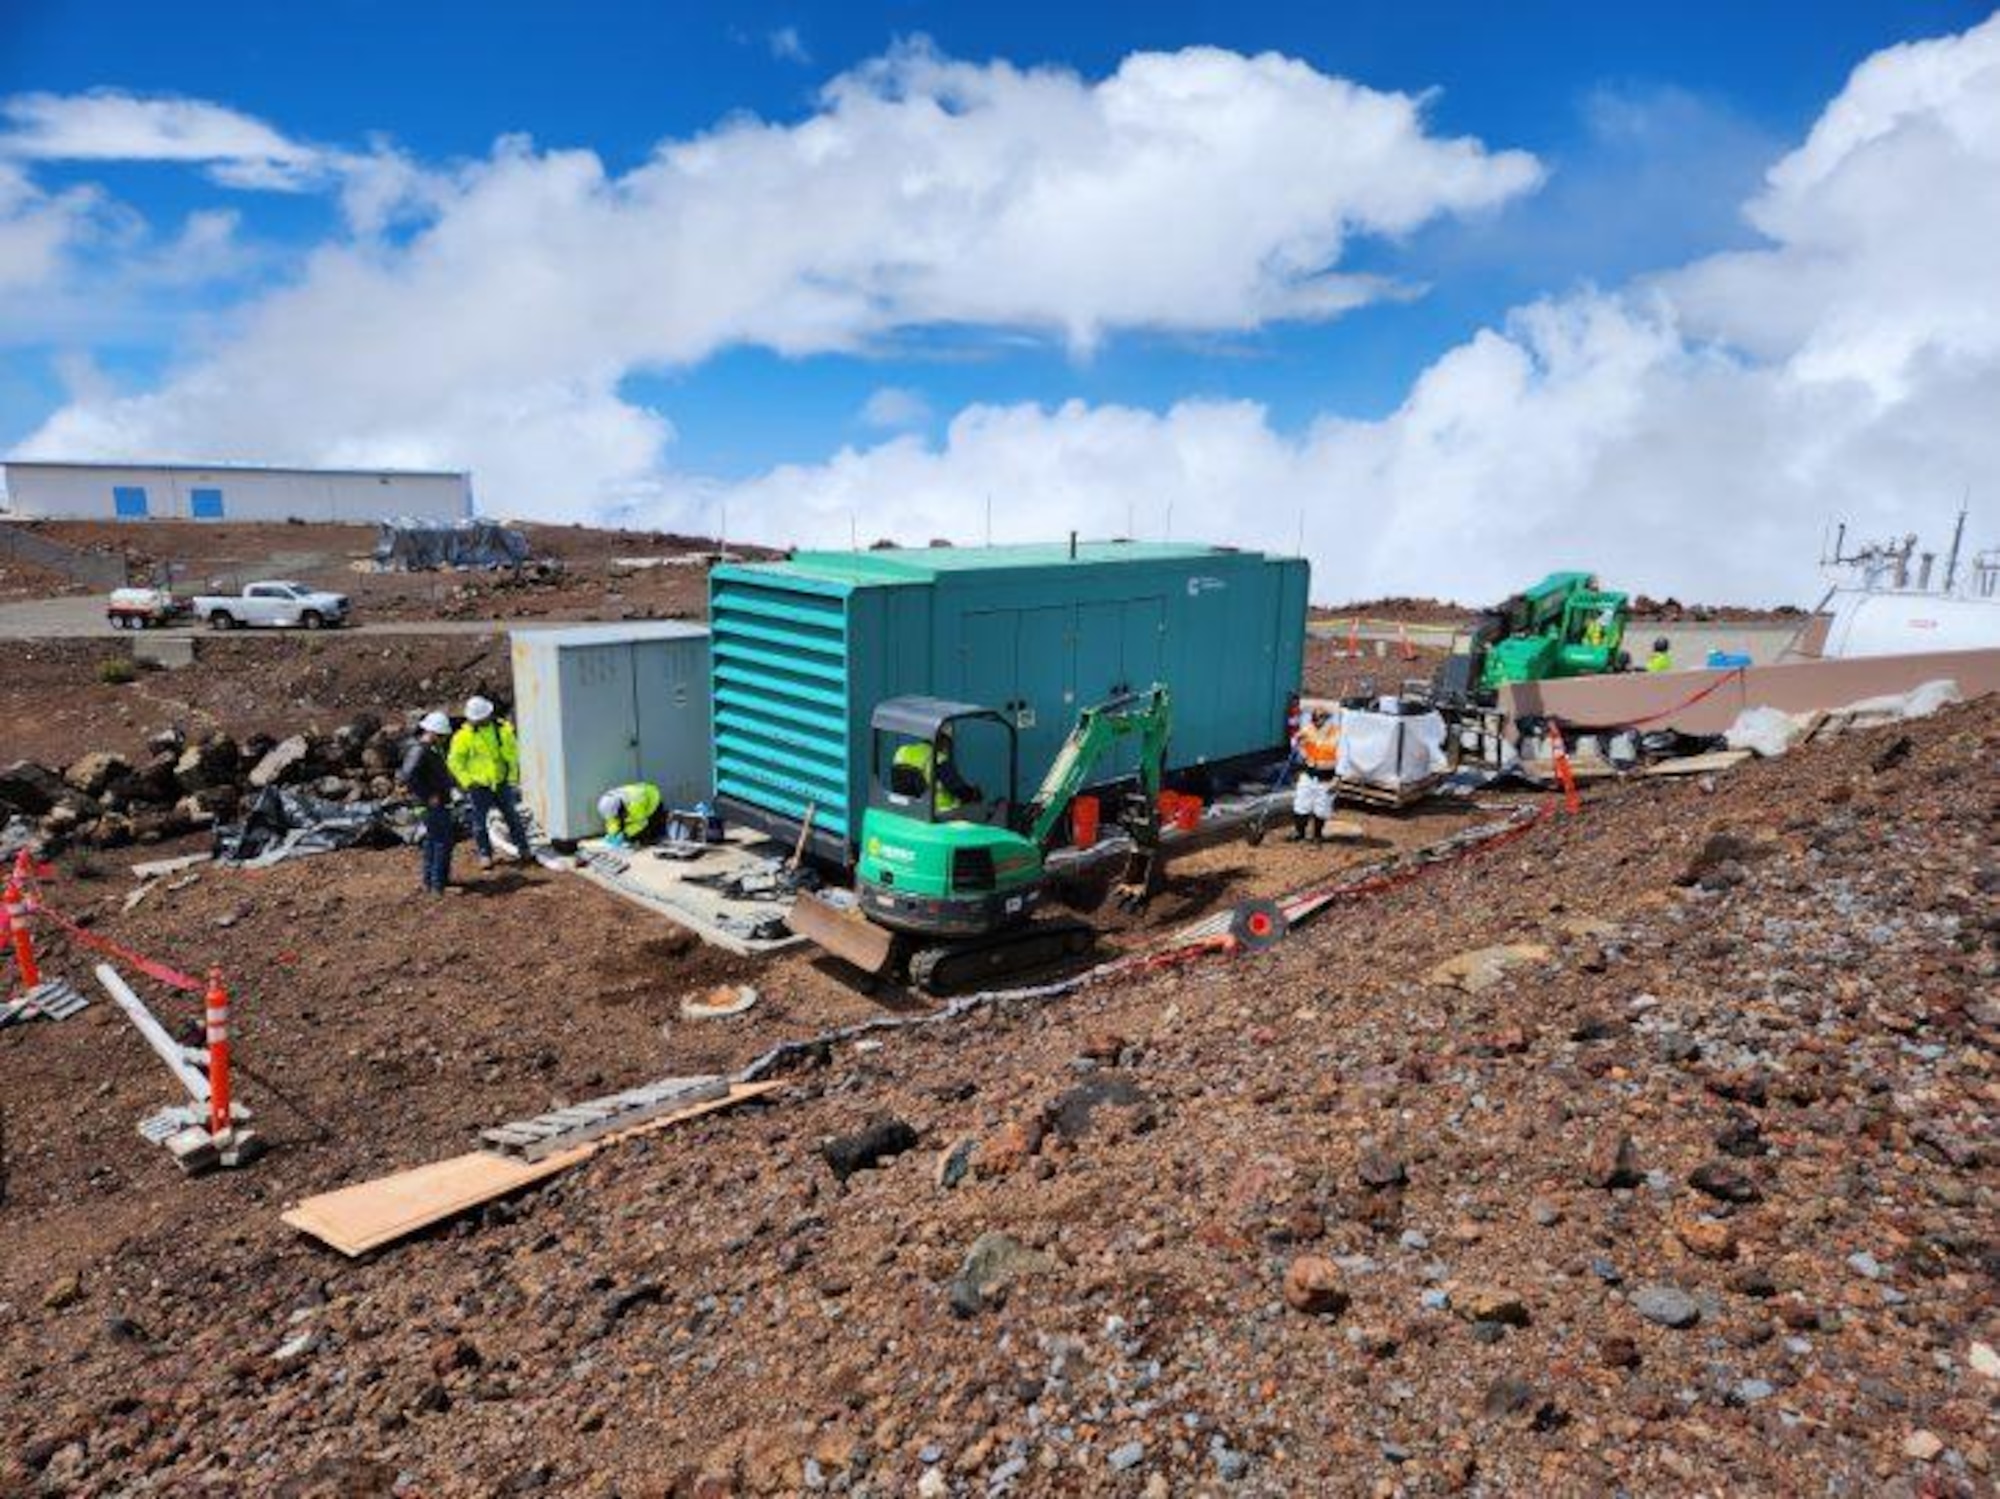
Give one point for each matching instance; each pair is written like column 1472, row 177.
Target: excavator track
column 982, row 962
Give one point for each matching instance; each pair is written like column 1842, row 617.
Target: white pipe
column 171, row 1051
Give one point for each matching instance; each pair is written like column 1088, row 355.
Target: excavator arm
column 1146, row 716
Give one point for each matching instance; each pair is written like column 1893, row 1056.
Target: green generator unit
column 804, row 650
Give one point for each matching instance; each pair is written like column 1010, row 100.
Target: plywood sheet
column 370, row 1214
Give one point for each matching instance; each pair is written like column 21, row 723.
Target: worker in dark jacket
column 426, row 777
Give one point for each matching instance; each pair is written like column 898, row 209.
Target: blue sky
column 1698, row 98
column 1651, row 128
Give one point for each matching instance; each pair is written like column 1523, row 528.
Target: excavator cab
column 938, row 761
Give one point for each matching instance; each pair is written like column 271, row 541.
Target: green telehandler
column 953, row 868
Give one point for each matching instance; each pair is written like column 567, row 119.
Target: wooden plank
column 368, row 1215
column 1694, row 765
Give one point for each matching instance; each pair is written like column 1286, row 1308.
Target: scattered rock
column 1669, row 1306
column 955, row 1164
column 66, row 1291
column 879, row 1142
column 991, row 1267
column 1613, row 1163
column 30, row 789
column 1071, row 1113
column 1984, row 1360
column 1379, row 1169
column 1126, row 1456
column 1313, row 1286
column 1007, row 1149
column 96, row 770
column 1490, row 1304
column 1480, row 970
column 1724, row 1182
column 1706, row 1237
column 1924, row 1446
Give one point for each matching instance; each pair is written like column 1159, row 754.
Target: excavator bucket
column 846, row 934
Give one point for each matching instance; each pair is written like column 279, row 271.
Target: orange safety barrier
column 1564, row 774
column 218, row 1055
column 17, row 921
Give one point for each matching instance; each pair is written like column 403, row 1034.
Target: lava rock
column 1379, row 1169
column 30, row 789
column 992, row 1265
column 879, row 1142
column 289, row 760
column 96, row 770
column 1720, row 1180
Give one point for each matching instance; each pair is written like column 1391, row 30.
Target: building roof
column 608, row 634
column 925, row 564
column 238, row 468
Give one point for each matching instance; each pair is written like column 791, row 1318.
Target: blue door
column 129, row 502
column 205, row 504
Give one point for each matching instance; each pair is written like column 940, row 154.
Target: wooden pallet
column 1395, row 798
column 52, row 999
column 545, row 1134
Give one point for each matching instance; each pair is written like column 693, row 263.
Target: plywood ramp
column 370, row 1214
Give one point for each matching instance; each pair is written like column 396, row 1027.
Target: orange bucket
column 1187, row 813
column 1083, row 814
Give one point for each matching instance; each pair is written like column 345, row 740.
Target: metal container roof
column 609, row 634
column 927, row 564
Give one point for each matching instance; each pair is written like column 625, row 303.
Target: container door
column 599, row 724
column 1044, row 688
column 1141, row 662
column 670, row 679
column 986, row 655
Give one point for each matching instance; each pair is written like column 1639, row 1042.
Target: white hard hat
column 477, row 710
column 608, row 804
column 434, row 722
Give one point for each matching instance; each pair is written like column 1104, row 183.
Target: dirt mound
column 1696, row 1195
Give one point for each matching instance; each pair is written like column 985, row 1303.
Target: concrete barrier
column 1662, row 700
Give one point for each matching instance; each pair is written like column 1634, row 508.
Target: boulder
column 1313, row 1286
column 29, row 788
column 96, row 770
column 169, row 741
column 351, row 740
column 289, row 760
column 153, row 785
column 211, row 763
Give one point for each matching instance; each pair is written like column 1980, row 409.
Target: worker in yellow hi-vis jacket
column 485, row 760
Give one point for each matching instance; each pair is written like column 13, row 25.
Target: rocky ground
column 1652, row 1153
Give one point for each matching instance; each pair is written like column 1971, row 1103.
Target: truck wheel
column 117, row 621
column 312, row 619
column 221, row 621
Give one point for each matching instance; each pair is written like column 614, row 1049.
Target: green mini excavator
column 953, row 868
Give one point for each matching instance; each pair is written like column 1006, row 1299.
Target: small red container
column 1083, row 814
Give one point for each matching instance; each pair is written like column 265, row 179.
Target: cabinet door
column 1044, row 687
column 670, row 683
column 600, row 724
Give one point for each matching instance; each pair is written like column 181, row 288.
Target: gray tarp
column 285, row 823
column 405, row 544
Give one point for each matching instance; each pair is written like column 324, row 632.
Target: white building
column 166, row 491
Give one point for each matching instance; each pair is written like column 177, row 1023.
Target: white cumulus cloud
column 1198, row 190
column 108, row 125
column 1690, row 434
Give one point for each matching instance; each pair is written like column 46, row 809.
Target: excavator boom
column 1145, row 715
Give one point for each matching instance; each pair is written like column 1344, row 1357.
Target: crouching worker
column 425, row 776
column 485, row 759
column 632, row 814
column 1318, row 749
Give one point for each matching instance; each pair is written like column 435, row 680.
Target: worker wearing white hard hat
column 485, row 760
column 426, row 777
column 632, row 813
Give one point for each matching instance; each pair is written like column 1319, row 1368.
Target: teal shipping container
column 804, row 650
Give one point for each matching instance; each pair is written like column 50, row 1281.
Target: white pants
column 1312, row 797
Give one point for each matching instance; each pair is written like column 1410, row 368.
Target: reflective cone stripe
column 17, row 923
column 1563, row 772
column 218, row 1054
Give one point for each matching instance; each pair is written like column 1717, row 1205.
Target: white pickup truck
column 276, row 604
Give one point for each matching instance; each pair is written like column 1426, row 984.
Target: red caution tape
column 1717, row 685
column 172, row 977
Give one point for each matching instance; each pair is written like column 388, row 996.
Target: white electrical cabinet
column 597, row 706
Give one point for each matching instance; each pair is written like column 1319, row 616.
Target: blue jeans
column 484, row 799
column 439, row 832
